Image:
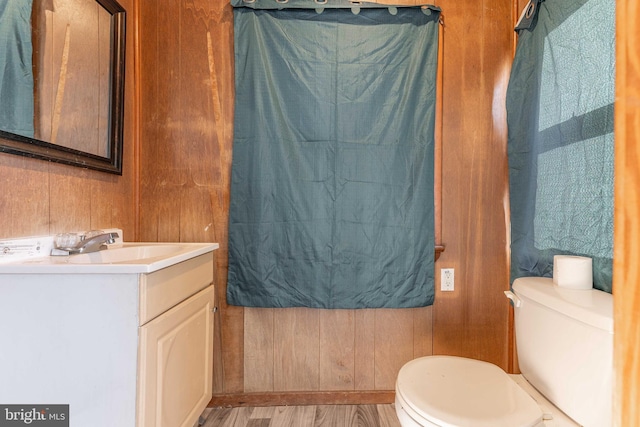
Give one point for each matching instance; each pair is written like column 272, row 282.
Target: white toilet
column 564, row 339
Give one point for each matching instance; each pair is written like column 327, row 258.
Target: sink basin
column 127, row 257
column 126, row 254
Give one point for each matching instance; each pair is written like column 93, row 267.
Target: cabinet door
column 175, row 362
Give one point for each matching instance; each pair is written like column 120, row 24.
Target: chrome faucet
column 91, row 242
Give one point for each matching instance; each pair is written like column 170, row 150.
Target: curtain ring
column 531, row 8
column 320, row 2
column 280, row 1
column 249, row 1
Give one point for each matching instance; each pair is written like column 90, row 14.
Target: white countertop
column 84, row 263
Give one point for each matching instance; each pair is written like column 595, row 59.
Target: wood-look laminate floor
column 303, row 416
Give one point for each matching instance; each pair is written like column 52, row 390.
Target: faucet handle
column 66, row 240
column 112, row 238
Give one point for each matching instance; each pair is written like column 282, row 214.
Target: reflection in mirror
column 61, row 81
column 71, row 59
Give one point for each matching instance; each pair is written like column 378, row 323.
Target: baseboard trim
column 303, row 398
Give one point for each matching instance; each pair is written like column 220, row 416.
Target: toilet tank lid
column 592, row 306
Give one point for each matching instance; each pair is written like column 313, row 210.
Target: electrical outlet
column 446, row 279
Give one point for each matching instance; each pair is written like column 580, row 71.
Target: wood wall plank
column 24, row 199
column 393, row 345
column 198, row 155
column 626, row 267
column 473, row 320
column 337, row 362
column 70, row 206
column 259, row 348
column 422, row 331
column 196, row 214
column 297, row 349
column 364, row 352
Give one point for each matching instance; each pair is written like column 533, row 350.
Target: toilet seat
column 449, row 391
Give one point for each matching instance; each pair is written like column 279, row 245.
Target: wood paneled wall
column 38, row 197
column 186, row 57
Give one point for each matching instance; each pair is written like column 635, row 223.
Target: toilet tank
column 564, row 339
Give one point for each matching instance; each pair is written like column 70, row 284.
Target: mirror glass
column 61, row 81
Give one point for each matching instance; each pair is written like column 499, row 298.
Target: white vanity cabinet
column 175, row 355
column 127, row 346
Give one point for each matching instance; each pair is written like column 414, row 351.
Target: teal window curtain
column 560, row 146
column 332, row 172
column 16, row 74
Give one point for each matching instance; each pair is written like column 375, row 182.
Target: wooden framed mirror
column 62, row 84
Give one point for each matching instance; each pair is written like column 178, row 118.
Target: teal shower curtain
column 560, row 118
column 16, row 74
column 332, row 172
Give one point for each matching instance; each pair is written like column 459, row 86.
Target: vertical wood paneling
column 337, row 336
column 393, row 345
column 626, row 267
column 365, row 344
column 422, row 331
column 162, row 177
column 473, row 320
column 198, row 154
column 70, row 203
column 39, row 197
column 318, row 349
column 24, row 199
column 196, row 213
column 259, row 350
column 297, row 349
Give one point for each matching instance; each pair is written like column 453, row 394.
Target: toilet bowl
column 448, row 391
column 565, row 353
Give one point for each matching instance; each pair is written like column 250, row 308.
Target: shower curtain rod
column 323, row 4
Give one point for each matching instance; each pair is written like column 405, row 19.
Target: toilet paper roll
column 573, row 272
